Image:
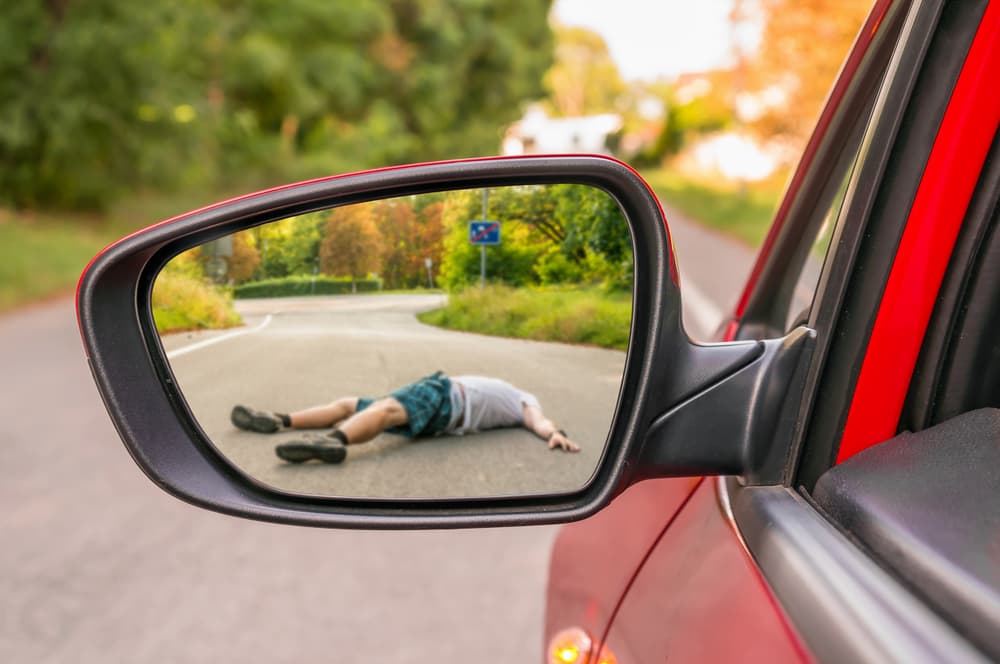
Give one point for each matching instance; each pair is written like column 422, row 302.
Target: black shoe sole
column 301, row 452
column 242, row 418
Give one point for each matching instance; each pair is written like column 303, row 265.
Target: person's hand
column 558, row 439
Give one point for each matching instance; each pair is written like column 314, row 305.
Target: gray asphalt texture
column 99, row 565
column 315, row 349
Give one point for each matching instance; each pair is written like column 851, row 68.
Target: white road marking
column 184, row 350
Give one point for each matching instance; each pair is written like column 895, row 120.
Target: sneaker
column 321, row 448
column 249, row 419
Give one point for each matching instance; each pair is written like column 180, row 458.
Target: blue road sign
column 484, row 232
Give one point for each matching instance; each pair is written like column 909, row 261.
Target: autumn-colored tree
column 245, row 260
column 430, row 235
column 409, row 235
column 584, row 79
column 351, row 243
column 802, row 48
column 397, row 225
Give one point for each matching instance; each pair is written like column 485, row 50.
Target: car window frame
column 896, row 147
column 818, row 573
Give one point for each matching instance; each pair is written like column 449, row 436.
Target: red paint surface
column 858, row 51
column 700, row 598
column 595, row 560
column 967, row 130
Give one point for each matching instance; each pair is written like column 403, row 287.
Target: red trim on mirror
column 963, row 141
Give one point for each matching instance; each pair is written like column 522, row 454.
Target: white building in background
column 733, row 155
column 537, row 133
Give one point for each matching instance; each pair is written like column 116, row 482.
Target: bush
column 183, row 302
column 297, row 285
column 554, row 268
column 569, row 315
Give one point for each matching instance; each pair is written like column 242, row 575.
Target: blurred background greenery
column 116, row 114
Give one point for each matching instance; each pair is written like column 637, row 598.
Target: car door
column 746, row 573
column 595, row 561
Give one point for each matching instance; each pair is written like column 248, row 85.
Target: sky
column 649, row 39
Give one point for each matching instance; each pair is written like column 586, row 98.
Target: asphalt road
column 300, row 352
column 98, row 565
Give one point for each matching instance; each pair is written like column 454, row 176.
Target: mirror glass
column 465, row 343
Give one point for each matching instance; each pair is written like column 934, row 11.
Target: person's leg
column 358, row 428
column 373, row 420
column 322, row 417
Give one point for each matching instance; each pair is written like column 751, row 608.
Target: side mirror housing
column 682, row 409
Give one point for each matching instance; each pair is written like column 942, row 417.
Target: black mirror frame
column 663, row 367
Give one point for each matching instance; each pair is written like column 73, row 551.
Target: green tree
column 290, row 246
column 510, row 262
column 550, row 234
column 104, row 95
column 383, row 82
column 75, row 80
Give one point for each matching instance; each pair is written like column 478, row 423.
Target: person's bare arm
column 536, row 422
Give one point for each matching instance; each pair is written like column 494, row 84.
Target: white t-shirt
column 479, row 403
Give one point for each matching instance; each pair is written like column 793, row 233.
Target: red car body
column 664, row 572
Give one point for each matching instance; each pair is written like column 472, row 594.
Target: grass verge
column 38, row 260
column 743, row 211
column 43, row 253
column 569, row 315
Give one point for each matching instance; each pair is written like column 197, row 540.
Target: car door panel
column 596, row 560
column 700, row 598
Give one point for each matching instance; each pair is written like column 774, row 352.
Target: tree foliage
column 410, row 235
column 245, row 260
column 103, row 95
column 290, row 246
column 802, row 48
column 549, row 234
column 351, row 244
column 583, row 80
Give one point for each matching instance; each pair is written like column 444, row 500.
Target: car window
column 808, row 279
column 792, row 258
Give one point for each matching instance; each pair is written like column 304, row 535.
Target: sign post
column 483, row 232
column 482, row 248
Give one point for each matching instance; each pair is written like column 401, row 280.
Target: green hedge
column 564, row 314
column 304, row 285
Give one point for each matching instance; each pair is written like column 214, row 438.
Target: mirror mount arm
column 742, row 424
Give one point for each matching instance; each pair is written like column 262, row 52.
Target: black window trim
column 843, row 603
column 925, row 66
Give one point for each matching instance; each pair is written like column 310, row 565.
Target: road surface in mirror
column 297, row 352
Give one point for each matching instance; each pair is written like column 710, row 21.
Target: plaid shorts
column 427, row 403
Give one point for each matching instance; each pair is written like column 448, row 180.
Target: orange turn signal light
column 570, row 646
column 574, row 646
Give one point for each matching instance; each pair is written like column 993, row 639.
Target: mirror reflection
column 455, row 344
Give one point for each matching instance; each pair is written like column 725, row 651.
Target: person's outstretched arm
column 536, row 422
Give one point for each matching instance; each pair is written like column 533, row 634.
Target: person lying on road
column 431, row 406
